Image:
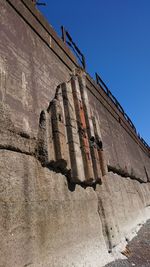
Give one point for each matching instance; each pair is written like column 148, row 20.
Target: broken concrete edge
column 18, row 142
column 21, row 142
column 120, row 251
column 125, row 174
column 52, row 166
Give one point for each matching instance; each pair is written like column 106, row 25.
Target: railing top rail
column 67, row 39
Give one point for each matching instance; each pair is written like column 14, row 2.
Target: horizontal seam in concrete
column 15, row 149
column 43, row 200
column 125, row 175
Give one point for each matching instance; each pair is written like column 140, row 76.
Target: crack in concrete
column 15, row 149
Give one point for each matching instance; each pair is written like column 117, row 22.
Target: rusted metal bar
column 90, row 130
column 82, row 126
column 85, row 144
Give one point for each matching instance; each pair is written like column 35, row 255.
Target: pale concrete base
column 45, row 223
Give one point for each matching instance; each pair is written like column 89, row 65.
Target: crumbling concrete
column 74, row 178
column 69, row 139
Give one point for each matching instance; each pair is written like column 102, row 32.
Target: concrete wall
column 122, row 147
column 30, row 70
column 45, row 220
column 43, row 223
column 32, row 64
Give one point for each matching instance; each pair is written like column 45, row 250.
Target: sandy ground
column 137, row 250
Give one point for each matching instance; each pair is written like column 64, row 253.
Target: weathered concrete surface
column 28, row 68
column 123, row 204
column 47, row 221
column 30, row 71
column 122, row 152
column 43, row 223
column 11, row 137
column 44, row 220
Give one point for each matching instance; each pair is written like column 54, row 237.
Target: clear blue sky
column 114, row 36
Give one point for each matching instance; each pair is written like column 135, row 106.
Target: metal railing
column 144, row 142
column 120, row 108
column 67, row 39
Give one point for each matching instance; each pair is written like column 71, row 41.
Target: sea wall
column 47, row 219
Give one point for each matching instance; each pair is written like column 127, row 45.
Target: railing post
column 63, row 34
column 67, row 39
column 83, row 62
